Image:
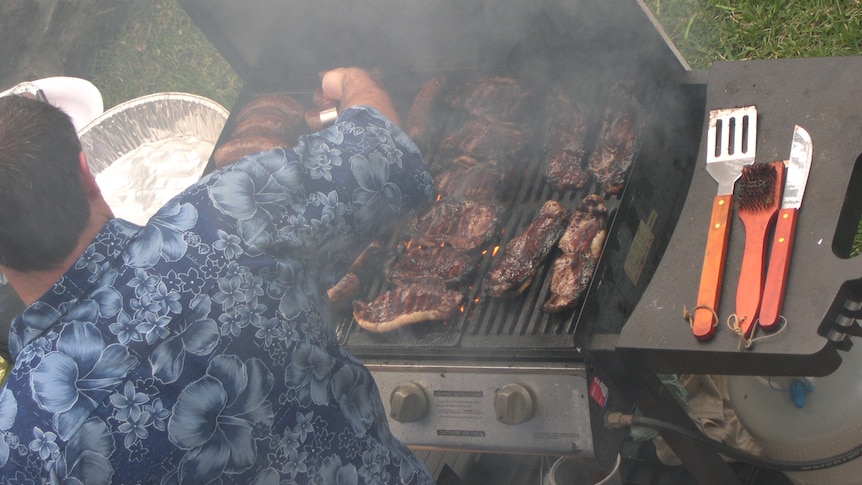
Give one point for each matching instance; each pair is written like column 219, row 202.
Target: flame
column 484, row 252
column 462, row 308
column 407, row 244
column 439, row 196
column 494, row 251
column 476, row 300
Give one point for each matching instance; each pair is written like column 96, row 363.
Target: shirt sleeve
column 331, row 194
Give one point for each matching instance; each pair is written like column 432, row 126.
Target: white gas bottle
column 802, row 419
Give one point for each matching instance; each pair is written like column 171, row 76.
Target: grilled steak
column 438, row 263
column 614, row 151
column 512, row 272
column 406, row 305
column 581, row 245
column 464, row 225
column 468, row 179
column 497, row 99
column 485, row 140
column 565, row 167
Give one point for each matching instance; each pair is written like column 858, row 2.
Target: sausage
column 284, row 103
column 420, row 118
column 268, row 125
column 235, row 149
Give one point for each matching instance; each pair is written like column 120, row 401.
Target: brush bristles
column 756, row 187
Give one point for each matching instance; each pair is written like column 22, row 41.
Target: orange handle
column 749, row 288
column 703, row 323
column 776, row 272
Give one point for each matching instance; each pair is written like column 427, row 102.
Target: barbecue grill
column 503, row 376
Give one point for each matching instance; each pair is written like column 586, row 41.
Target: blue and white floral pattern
column 195, row 350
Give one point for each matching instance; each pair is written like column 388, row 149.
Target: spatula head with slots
column 730, row 147
column 731, row 144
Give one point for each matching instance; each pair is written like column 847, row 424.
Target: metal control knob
column 408, row 403
column 513, row 404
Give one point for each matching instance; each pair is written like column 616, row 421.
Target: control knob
column 513, row 404
column 408, row 403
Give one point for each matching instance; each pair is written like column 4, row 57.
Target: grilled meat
column 497, row 99
column 513, row 271
column 565, row 167
column 466, row 178
column 614, row 151
column 342, row 293
column 422, row 125
column 485, row 140
column 233, row 150
column 438, row 263
column 406, row 305
column 464, row 225
column 581, row 245
column 269, row 124
column 282, row 104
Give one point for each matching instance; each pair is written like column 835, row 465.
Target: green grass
column 706, row 31
column 160, row 49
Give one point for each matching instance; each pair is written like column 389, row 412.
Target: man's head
column 43, row 202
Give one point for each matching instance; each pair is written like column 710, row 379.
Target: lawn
column 161, row 49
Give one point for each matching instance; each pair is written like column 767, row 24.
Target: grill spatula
column 731, row 143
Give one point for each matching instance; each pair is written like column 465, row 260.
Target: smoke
column 297, row 39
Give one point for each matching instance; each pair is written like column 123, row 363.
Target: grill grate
column 492, row 327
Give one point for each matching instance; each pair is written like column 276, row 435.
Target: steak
column 442, row 264
column 513, row 271
column 464, row 225
column 468, row 179
column 565, row 167
column 406, row 305
column 614, row 151
column 485, row 140
column 581, row 245
column 497, row 99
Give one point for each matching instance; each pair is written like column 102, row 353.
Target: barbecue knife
column 782, row 241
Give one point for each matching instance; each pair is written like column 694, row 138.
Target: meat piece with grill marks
column 407, row 305
column 485, row 140
column 464, row 225
column 467, row 178
column 614, row 152
column 581, row 245
column 497, row 99
column 436, row 263
column 513, row 271
column 565, row 167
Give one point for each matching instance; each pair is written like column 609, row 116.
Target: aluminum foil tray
column 146, row 150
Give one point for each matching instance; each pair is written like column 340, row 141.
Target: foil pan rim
column 146, row 119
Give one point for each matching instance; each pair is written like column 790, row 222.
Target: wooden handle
column 749, row 288
column 708, row 294
column 776, row 272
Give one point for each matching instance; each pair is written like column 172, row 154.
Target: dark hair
column 43, row 205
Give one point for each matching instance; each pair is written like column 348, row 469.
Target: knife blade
column 798, row 167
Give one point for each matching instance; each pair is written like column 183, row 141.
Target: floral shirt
column 198, row 349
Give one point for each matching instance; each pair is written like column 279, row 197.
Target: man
column 198, row 349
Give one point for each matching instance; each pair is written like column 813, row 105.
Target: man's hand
column 352, row 86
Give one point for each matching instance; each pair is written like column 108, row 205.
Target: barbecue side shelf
column 823, row 293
